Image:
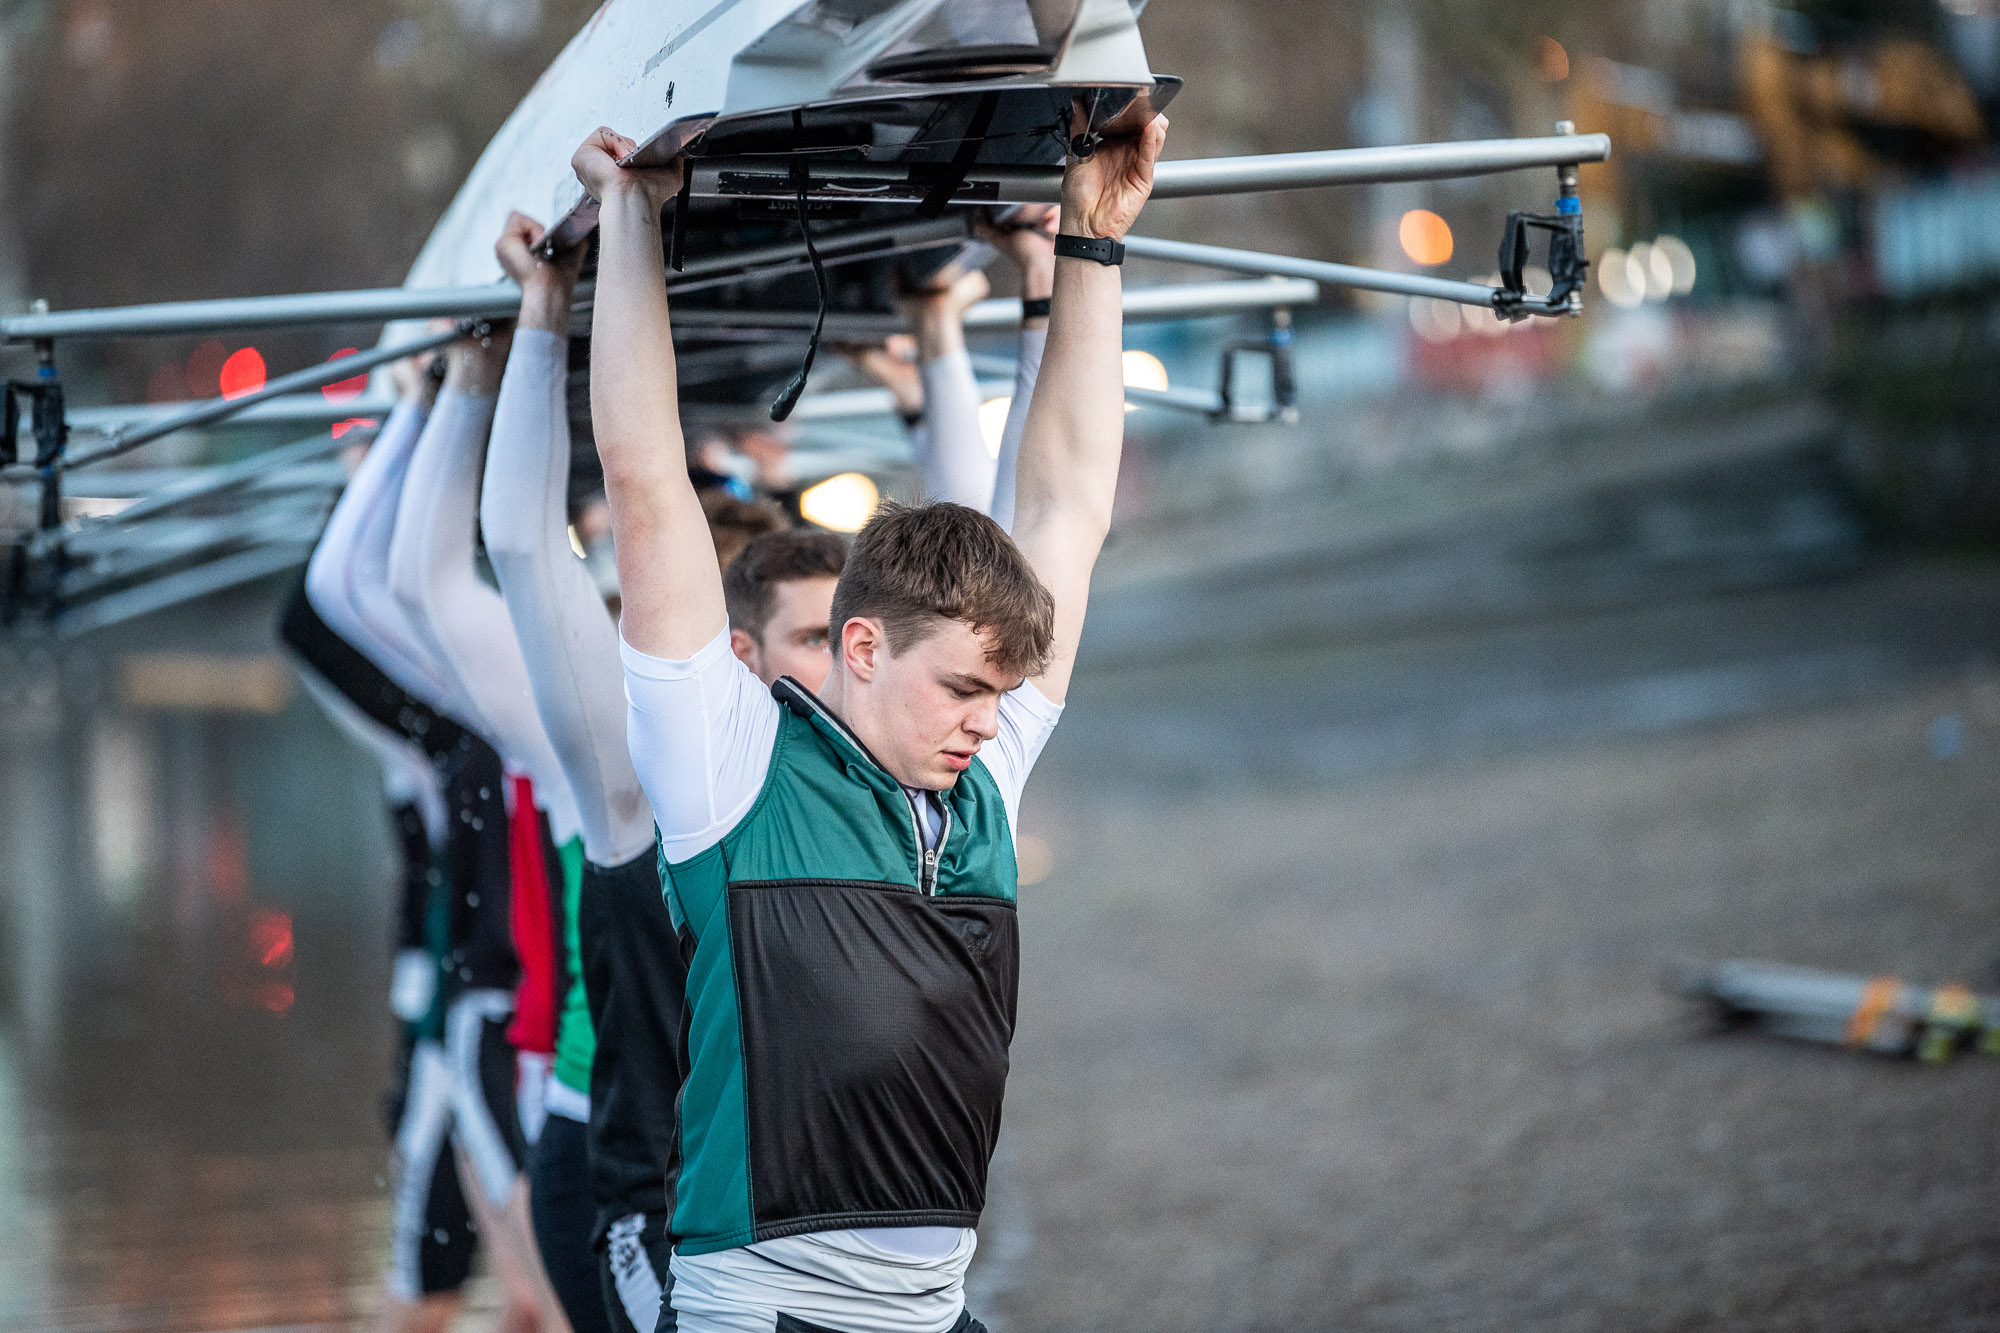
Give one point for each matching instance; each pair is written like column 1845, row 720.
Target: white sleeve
column 567, row 638
column 434, row 580
column 1027, row 368
column 1026, row 721
column 955, row 463
column 346, row 577
column 701, row 732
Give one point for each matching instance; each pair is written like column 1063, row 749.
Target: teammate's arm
column 950, row 450
column 346, row 578
column 430, row 550
column 435, row 579
column 1031, row 247
column 668, row 581
column 566, row 637
column 1075, row 431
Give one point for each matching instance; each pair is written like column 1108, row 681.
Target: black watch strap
column 1035, row 309
column 1099, row 248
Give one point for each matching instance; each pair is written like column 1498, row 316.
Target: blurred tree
column 237, row 146
column 221, row 147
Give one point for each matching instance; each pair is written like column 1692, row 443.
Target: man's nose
column 984, row 722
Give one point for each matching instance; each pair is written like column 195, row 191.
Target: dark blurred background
column 1417, row 745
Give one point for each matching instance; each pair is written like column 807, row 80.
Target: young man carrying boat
column 840, row 867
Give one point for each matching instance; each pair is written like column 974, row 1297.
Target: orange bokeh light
column 341, row 391
column 1551, row 60
column 243, row 373
column 1426, row 237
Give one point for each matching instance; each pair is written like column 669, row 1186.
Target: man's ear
column 745, row 648
column 862, row 645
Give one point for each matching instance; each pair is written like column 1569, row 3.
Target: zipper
column 927, row 857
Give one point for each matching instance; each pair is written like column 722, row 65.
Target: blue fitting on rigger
column 1569, row 204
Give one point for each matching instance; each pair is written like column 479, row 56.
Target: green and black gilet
column 851, row 999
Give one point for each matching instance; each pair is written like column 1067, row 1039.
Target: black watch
column 1036, row 309
column 1100, row 248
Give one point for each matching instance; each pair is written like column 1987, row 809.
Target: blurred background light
column 1655, row 274
column 1680, row 262
column 1426, row 237
column 993, row 421
column 243, row 373
column 1622, row 282
column 1480, row 319
column 1552, row 62
column 1143, row 370
column 1434, row 321
column 342, row 391
column 842, row 503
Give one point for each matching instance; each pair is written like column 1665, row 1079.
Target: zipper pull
column 930, row 871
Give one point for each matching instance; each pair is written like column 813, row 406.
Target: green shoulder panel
column 979, row 859
column 826, row 812
column 712, row 1206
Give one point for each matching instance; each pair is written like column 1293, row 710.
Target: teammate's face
column 794, row 641
column 932, row 705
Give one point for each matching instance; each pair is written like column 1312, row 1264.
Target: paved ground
column 1398, row 1055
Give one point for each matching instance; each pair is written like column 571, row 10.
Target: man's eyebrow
column 960, row 681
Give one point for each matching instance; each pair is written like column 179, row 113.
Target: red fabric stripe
column 532, row 922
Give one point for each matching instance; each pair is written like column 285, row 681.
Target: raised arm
column 435, row 581
column 950, row 450
column 1075, row 431
column 567, row 638
column 667, row 577
column 1031, row 247
column 346, row 577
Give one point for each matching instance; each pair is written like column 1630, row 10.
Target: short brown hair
column 734, row 523
column 913, row 566
column 750, row 584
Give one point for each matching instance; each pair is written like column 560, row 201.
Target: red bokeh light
column 342, row 391
column 271, row 937
column 341, row 428
column 243, row 373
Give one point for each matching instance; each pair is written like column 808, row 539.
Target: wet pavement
column 1341, row 1005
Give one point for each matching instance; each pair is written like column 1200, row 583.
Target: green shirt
column 576, row 1041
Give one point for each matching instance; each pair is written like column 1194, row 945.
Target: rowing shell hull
column 665, row 71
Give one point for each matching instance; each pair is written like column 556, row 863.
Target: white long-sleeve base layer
column 464, row 623
column 347, row 580
column 701, row 733
column 950, row 452
column 568, row 641
column 1027, row 369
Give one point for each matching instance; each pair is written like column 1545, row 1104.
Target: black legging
column 563, row 1211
